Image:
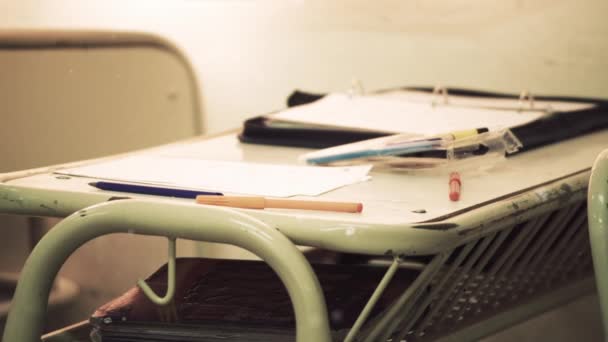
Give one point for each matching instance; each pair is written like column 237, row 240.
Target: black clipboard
column 549, row 129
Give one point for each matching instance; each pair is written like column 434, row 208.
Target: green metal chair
column 55, row 86
column 598, row 233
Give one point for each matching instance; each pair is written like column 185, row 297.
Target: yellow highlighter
column 446, row 137
column 466, row 133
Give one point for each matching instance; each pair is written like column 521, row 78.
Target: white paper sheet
column 230, row 177
column 398, row 116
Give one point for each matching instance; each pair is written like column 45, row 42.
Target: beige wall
column 258, row 51
column 250, row 54
column 60, row 105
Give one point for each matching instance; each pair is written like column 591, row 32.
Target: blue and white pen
column 400, row 149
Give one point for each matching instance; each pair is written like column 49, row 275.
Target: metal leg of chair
column 597, row 206
column 189, row 221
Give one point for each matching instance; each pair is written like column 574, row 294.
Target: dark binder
column 549, row 129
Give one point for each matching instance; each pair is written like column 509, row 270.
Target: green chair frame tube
column 597, row 207
column 174, row 220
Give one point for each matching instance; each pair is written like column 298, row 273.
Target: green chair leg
column 597, row 206
column 189, row 221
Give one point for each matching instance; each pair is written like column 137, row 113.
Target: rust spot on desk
column 566, row 188
column 436, row 226
column 116, row 198
column 12, row 199
column 51, row 209
column 560, row 193
column 566, row 193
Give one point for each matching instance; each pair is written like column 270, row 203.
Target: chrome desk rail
column 26, row 318
column 598, row 229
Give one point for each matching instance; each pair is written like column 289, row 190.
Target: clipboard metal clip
column 525, row 97
column 440, row 92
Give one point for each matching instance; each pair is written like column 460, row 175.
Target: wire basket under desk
column 498, row 272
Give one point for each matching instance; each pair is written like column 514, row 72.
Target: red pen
column 454, row 186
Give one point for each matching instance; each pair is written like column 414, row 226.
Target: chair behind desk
column 71, row 95
column 598, row 229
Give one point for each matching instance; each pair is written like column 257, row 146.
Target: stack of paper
column 401, row 113
column 230, row 177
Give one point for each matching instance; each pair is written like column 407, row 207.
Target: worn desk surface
column 523, row 189
column 392, row 199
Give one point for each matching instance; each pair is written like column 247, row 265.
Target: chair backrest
column 70, row 95
column 597, row 206
column 73, row 95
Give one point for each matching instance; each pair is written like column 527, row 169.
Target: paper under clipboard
column 525, row 102
column 398, row 113
column 230, row 177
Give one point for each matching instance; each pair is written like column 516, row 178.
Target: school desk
column 514, row 245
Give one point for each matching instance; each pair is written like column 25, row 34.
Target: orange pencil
column 255, row 202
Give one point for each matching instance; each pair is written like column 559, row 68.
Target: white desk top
column 389, row 221
column 390, row 197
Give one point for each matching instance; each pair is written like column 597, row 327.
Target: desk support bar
column 189, row 221
column 373, row 299
column 382, row 330
column 597, row 207
column 147, row 290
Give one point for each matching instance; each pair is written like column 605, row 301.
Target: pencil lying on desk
column 254, row 202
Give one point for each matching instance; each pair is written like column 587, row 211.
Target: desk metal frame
column 598, row 234
column 486, row 269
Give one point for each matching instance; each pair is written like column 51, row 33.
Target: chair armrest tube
column 188, row 221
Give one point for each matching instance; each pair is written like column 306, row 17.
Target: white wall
column 250, row 54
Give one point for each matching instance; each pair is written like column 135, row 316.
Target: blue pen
column 409, row 148
column 150, row 190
